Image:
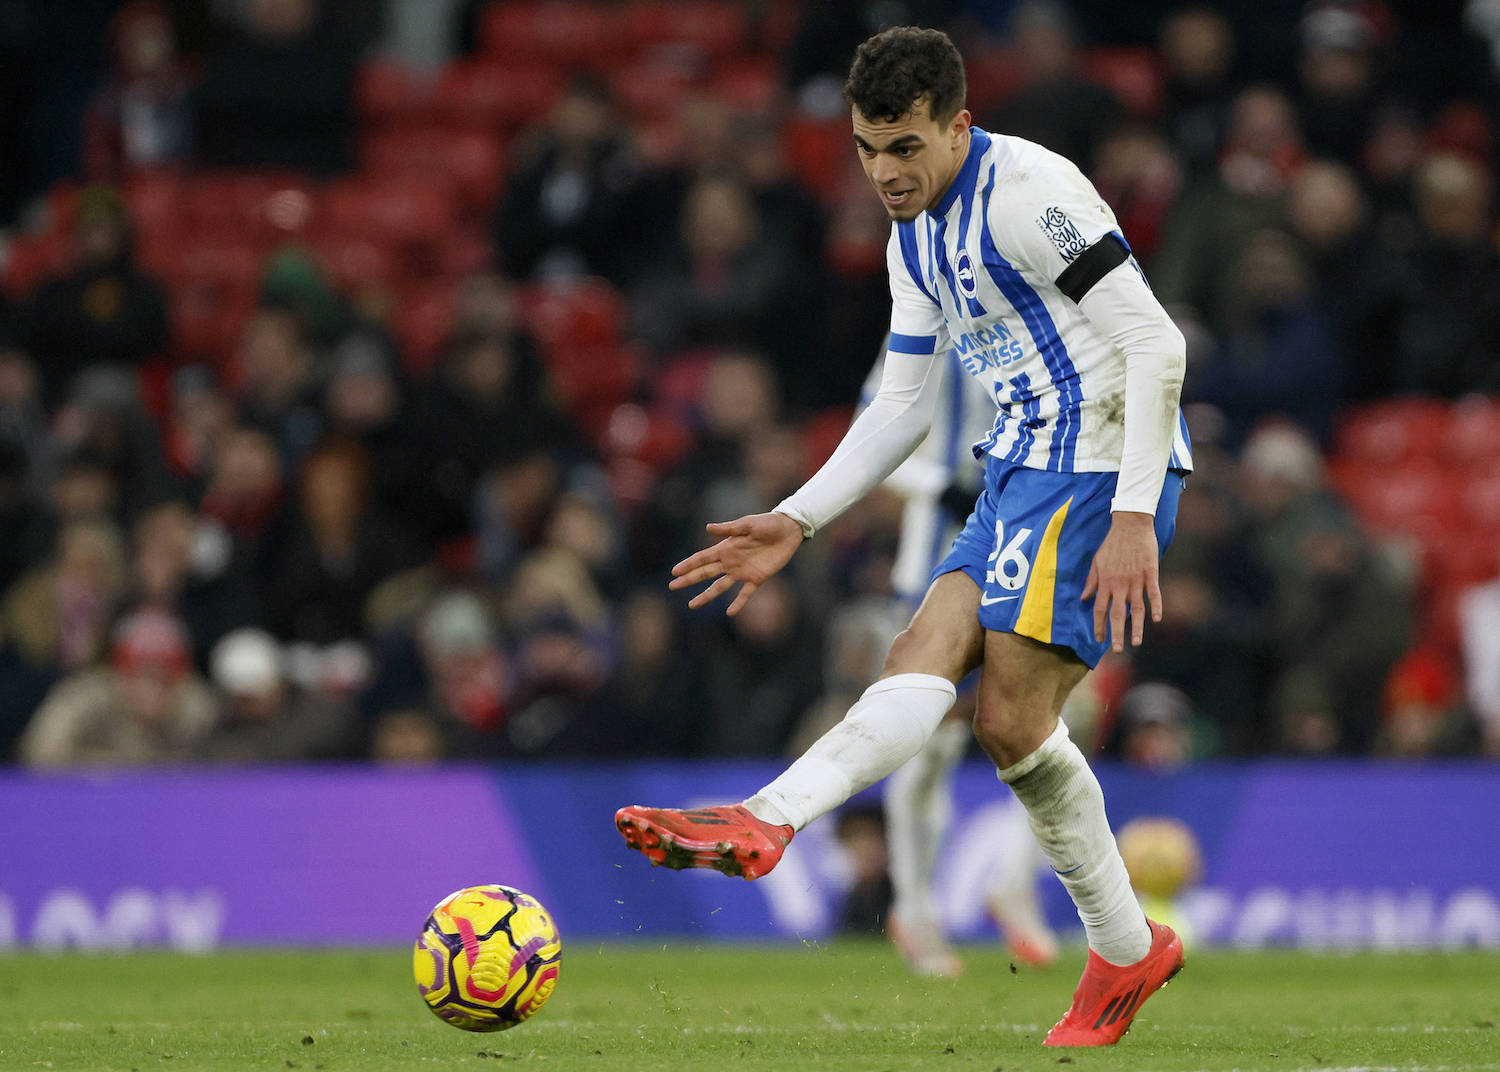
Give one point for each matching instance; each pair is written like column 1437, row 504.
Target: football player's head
column 906, row 93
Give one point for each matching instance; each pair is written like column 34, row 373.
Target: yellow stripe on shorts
column 1035, row 620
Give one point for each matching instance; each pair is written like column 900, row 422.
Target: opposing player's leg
column 886, row 727
column 1012, row 895
column 918, row 810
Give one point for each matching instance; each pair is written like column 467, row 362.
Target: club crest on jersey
column 1056, row 225
column 963, row 272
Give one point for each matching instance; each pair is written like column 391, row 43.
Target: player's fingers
column 1153, row 593
column 705, row 557
column 746, row 591
column 1118, row 603
column 1091, row 585
column 1101, row 606
column 740, row 527
column 695, row 576
column 712, row 592
column 1137, row 615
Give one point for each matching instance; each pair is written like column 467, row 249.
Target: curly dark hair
column 900, row 66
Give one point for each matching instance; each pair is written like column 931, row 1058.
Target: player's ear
column 959, row 126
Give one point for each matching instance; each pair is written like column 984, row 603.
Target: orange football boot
column 726, row 838
column 1108, row 996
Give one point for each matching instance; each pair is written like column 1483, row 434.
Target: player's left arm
column 1063, row 231
column 1124, row 574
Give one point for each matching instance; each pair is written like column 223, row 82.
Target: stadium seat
column 553, row 32
column 1472, row 437
column 386, row 93
column 711, row 28
column 155, row 200
column 991, row 76
column 751, row 86
column 502, row 96
column 206, row 320
column 1413, row 497
column 822, row 434
column 356, row 262
column 650, row 91
column 582, row 313
column 422, row 322
column 397, row 211
column 820, row 153
column 228, row 261
column 1388, row 433
column 31, row 258
column 592, row 380
column 469, row 162
column 1133, row 75
column 1481, row 500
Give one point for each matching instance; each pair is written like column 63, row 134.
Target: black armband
column 1092, row 265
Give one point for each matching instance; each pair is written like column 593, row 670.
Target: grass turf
column 847, row 1006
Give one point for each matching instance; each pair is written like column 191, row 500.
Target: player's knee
column 1010, row 731
column 916, row 652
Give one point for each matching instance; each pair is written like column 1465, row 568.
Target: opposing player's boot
column 921, row 944
column 1108, row 995
column 1019, row 917
column 726, row 838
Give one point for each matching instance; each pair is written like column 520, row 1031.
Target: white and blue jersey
column 985, row 274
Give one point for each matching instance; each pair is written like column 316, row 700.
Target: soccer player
column 1003, row 252
column 937, row 484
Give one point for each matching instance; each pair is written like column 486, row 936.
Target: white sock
column 885, row 728
column 918, row 809
column 1066, row 808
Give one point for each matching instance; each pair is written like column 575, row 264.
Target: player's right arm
column 882, row 436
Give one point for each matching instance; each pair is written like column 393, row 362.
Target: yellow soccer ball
column 487, row 958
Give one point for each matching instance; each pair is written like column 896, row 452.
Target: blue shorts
column 1028, row 546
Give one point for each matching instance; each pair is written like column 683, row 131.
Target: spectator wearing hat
column 102, row 310
column 147, row 706
column 264, row 717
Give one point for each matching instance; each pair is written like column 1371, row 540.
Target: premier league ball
column 487, row 958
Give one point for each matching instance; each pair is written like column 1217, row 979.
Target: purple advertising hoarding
column 1326, row 854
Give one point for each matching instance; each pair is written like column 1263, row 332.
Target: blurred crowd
column 362, row 377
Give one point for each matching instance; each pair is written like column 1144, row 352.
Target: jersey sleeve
column 917, row 324
column 1056, row 224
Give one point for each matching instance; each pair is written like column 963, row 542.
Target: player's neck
column 958, row 167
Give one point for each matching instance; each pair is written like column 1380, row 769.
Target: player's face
column 912, row 161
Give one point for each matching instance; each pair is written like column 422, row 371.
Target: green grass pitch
column 848, row 1006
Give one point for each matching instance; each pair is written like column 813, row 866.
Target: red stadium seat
column 1458, row 558
column 1133, row 75
column 228, row 261
column 206, row 320
column 387, row 93
column 422, row 323
column 652, row 91
column 32, row 258
column 992, row 75
column 592, row 381
column 822, row 434
column 469, row 162
column 1481, row 500
column 1388, row 433
column 1472, row 438
column 395, row 211
column 155, row 200
column 1415, row 497
column 552, row 32
column 712, row 28
column 751, row 86
column 506, row 96
column 820, row 152
column 571, row 315
column 356, row 262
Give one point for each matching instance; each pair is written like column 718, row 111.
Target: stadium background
column 364, row 366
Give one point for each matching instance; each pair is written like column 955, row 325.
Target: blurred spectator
column 1198, row 50
column 23, row 415
column 340, row 549
column 20, row 516
column 818, row 60
column 279, row 95
column 103, row 309
column 57, row 615
column 762, row 670
column 653, row 702
column 1209, row 228
column 189, row 569
column 728, row 283
column 143, row 118
column 246, row 496
column 1479, row 634
column 561, row 215
column 199, row 415
column 861, row 837
column 146, row 706
column 363, row 401
column 1421, row 713
column 447, row 667
column 1055, row 105
column 1444, row 321
column 1138, row 175
column 278, row 376
column 1278, row 357
column 103, row 418
column 1338, row 56
column 488, row 404
column 1340, row 614
column 264, row 717
column 1155, row 727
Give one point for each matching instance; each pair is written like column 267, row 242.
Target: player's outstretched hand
column 751, row 549
column 1123, row 576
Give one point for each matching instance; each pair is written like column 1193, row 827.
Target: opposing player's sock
column 891, row 721
column 918, row 809
column 1011, row 894
column 1066, row 809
